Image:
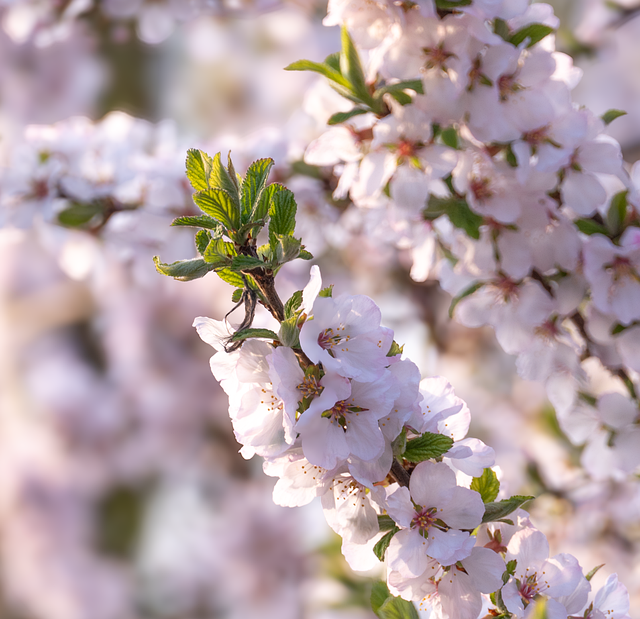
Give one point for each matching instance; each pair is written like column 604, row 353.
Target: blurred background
column 122, row 493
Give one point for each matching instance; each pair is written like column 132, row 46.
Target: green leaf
column 610, row 115
column 617, row 212
column 351, row 67
column 78, row 214
column 264, row 203
column 284, row 249
column 487, row 485
column 324, row 69
column 247, row 333
column 509, row 571
column 458, row 211
column 246, row 263
column 282, row 213
column 218, row 204
column 305, row 255
column 232, row 277
column 386, row 606
column 184, row 270
column 501, row 28
column 326, row 292
column 415, row 85
column 221, row 178
column 292, row 306
column 381, row 547
column 199, row 221
column 450, row 138
column 399, row 444
column 289, row 334
column 588, row 226
column 386, row 523
column 333, row 61
column 395, row 349
column 594, row 571
column 236, row 295
column 219, row 253
column 340, row 117
column 501, row 509
column 253, row 185
column 401, row 97
column 427, row 446
column 203, row 238
column 452, row 4
column 534, row 32
column 199, row 166
column 465, row 293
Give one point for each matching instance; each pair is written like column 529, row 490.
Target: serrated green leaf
column 253, row 185
column 340, row 117
column 501, row 509
column 323, row 69
column 218, row 204
column 427, row 446
column 219, row 253
column 221, row 178
column 260, row 333
column 509, row 571
column 184, row 270
column 78, row 214
column 386, row 523
column 232, row 277
column 534, row 32
column 236, row 295
column 203, row 238
column 487, row 485
column 465, row 293
column 588, row 226
column 610, row 115
column 326, row 292
column 199, row 221
column 199, row 166
column 284, row 249
column 594, row 571
column 264, row 203
column 383, row 543
column 292, row 306
column 305, row 255
column 289, row 334
column 282, row 214
column 351, row 67
column 617, row 212
column 246, row 263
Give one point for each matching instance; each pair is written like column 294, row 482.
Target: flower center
column 424, row 519
column 481, row 189
column 309, row 387
column 436, row 57
column 528, row 588
column 341, row 412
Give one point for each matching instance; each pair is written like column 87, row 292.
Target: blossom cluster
column 346, row 418
column 472, row 155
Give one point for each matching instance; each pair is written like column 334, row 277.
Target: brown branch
column 399, row 473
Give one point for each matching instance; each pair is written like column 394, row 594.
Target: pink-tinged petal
column 625, row 299
column 407, row 553
column 432, row 484
column 463, row 510
column 617, row 411
column 361, row 557
column 485, row 567
column 529, row 547
column 213, row 332
column 363, row 436
column 324, row 443
column 458, row 597
column 603, row 157
column 311, row 290
column 628, row 344
column 481, row 457
column 448, row 547
column 400, row 507
column 559, row 576
column 511, row 598
column 626, row 449
column 369, row 473
column 582, row 192
column 612, row 599
column 336, row 145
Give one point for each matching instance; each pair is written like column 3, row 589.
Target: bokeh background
column 122, row 493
